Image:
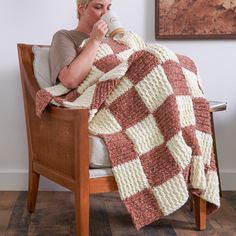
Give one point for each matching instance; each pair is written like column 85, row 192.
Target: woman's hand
column 99, row 31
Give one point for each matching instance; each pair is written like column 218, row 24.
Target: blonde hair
column 83, row 2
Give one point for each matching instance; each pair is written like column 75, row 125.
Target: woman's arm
column 72, row 75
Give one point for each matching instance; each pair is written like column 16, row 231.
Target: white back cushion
column 41, row 66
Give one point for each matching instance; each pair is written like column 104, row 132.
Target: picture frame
column 195, row 19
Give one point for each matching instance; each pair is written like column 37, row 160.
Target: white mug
column 114, row 26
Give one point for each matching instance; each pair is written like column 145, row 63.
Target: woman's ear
column 80, row 9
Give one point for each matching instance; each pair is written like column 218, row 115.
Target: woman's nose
column 104, row 11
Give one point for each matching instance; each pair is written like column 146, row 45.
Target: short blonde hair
column 83, row 2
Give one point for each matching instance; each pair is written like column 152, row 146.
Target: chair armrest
column 59, row 141
column 217, row 106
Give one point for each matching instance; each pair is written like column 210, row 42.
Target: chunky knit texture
column 147, row 104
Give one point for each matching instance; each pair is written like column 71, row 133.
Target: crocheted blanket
column 147, row 103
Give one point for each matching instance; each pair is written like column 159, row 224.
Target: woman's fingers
column 99, row 29
column 102, row 25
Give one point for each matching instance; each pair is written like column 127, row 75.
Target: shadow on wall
column 225, row 138
column 149, row 19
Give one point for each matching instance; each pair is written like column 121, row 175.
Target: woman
column 68, row 65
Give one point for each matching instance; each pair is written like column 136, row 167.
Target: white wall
column 31, row 21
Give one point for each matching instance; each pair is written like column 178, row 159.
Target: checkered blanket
column 146, row 102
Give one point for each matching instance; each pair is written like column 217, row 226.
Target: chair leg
column 82, row 213
column 215, row 150
column 191, row 202
column 200, row 212
column 32, row 190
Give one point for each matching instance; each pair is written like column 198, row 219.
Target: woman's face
column 95, row 9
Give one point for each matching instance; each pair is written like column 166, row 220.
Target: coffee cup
column 115, row 28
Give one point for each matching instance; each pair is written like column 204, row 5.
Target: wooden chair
column 216, row 107
column 58, row 146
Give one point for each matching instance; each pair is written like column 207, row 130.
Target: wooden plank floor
column 54, row 215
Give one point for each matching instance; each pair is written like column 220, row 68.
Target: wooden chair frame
column 58, row 148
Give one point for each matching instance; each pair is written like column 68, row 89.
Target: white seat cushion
column 96, row 173
column 98, row 151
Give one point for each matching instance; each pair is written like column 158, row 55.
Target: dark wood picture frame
column 195, row 19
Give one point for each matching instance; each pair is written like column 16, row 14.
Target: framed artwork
column 195, row 19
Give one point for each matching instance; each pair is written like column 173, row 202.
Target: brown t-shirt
column 63, row 50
